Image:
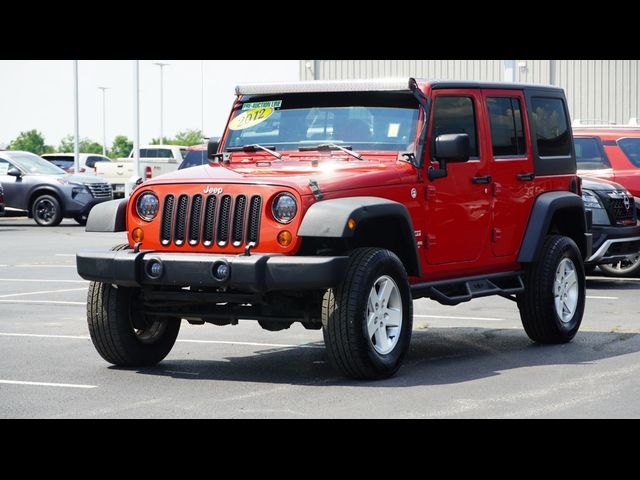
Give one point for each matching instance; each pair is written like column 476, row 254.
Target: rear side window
column 91, row 161
column 507, row 132
column 589, row 154
column 62, row 163
column 551, row 126
column 164, row 153
column 455, row 115
column 631, row 148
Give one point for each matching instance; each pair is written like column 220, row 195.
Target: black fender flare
column 108, row 216
column 329, row 218
column 544, row 209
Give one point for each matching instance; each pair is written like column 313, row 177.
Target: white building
column 597, row 90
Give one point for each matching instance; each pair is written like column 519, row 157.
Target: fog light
column 285, row 238
column 137, row 235
column 155, row 269
column 221, row 271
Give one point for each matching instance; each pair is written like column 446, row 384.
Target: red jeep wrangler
column 334, row 204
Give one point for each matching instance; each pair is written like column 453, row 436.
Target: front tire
column 119, row 330
column 46, row 211
column 367, row 319
column 629, row 267
column 552, row 305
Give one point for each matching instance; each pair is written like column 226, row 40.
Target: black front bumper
column 254, row 273
column 612, row 244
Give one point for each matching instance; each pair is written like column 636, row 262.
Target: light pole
column 104, row 121
column 161, row 65
column 76, row 120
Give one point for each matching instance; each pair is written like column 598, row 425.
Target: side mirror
column 453, row 147
column 14, row 172
column 212, row 148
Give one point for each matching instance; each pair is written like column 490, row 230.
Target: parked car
column 335, row 204
column 66, row 161
column 611, row 152
column 154, row 160
column 47, row 192
column 1, row 200
column 615, row 230
column 197, row 154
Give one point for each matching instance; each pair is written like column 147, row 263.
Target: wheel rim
column 384, row 315
column 566, row 290
column 625, row 265
column 45, row 210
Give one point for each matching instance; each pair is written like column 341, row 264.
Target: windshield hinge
column 315, row 189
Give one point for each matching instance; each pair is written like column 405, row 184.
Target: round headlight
column 147, row 206
column 284, row 207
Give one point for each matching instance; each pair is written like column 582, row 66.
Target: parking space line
column 462, row 318
column 220, row 342
column 40, row 280
column 65, row 254
column 49, row 302
column 47, row 384
column 43, row 292
column 597, row 297
column 31, row 265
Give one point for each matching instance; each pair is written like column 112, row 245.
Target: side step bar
column 453, row 292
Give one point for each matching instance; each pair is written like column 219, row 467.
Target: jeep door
column 512, row 170
column 458, row 205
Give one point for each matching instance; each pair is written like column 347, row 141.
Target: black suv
column 615, row 230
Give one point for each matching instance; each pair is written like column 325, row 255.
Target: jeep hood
column 331, row 174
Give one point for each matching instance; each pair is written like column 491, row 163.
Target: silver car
column 47, row 192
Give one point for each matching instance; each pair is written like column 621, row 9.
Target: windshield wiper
column 332, row 146
column 255, row 147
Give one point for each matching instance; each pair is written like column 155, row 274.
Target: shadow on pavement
column 437, row 356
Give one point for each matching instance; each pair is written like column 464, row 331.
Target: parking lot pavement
column 473, row 360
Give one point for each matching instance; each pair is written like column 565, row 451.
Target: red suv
column 335, row 204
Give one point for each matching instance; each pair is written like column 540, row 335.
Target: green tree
column 31, row 141
column 121, row 147
column 185, row 137
column 67, row 145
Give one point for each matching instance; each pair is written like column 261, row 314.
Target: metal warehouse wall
column 604, row 90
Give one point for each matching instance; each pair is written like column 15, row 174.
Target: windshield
column 361, row 120
column 589, row 154
column 34, row 164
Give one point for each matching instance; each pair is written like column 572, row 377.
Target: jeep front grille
column 210, row 220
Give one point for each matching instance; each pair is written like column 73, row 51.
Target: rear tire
column 121, row 334
column 552, row 305
column 46, row 211
column 367, row 319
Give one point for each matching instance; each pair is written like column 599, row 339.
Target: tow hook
column 247, row 249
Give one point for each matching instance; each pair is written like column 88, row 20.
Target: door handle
column 526, row 177
column 480, row 180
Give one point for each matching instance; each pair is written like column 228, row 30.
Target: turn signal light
column 351, row 224
column 285, row 238
column 137, row 235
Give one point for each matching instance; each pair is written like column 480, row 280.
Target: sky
column 38, row 94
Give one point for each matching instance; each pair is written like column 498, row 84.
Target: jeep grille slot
column 209, row 220
column 237, row 232
column 194, row 220
column 181, row 220
column 253, row 227
column 167, row 217
column 224, row 216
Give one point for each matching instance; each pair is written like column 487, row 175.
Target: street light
column 161, row 65
column 104, row 121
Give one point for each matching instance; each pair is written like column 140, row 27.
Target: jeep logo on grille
column 214, row 190
column 626, row 201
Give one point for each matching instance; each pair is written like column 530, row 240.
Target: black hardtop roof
column 439, row 84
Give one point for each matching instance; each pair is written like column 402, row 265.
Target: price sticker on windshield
column 251, row 118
